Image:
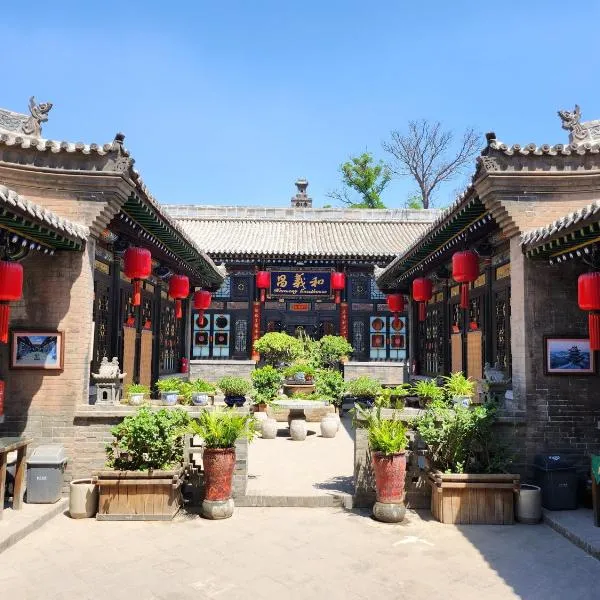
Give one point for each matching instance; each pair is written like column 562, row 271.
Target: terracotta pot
column 390, row 472
column 218, row 473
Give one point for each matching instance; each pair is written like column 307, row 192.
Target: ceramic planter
column 136, row 399
column 199, row 398
column 529, row 504
column 169, row 398
column 83, row 498
column 232, row 401
column 390, row 473
column 219, row 464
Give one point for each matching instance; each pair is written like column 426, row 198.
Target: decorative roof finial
column 301, row 199
column 39, row 115
column 587, row 132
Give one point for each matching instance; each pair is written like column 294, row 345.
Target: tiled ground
column 295, row 553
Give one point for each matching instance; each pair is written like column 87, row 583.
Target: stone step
column 324, row 501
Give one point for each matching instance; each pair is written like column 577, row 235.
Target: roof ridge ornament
column 39, row 115
column 587, row 132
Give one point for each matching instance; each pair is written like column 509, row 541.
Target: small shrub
column 329, row 385
column 332, row 348
column 148, row 440
column 291, row 371
column 197, row 386
column 170, row 384
column 385, row 435
column 459, row 385
column 220, row 429
column 234, row 386
column 137, row 388
column 392, row 397
column 364, row 387
column 276, row 348
column 428, row 390
column 266, row 382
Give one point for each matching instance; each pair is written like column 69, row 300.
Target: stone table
column 296, row 408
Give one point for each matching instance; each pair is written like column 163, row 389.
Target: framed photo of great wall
column 568, row 356
column 35, row 349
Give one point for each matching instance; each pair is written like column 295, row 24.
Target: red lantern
column 465, row 269
column 11, row 288
column 588, row 296
column 137, row 266
column 263, row 281
column 395, row 303
column 338, row 283
column 202, row 300
column 179, row 289
column 422, row 291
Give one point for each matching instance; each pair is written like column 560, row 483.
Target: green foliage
column 148, row 440
column 291, row 371
column 393, row 397
column 170, row 384
column 313, row 396
column 366, row 177
column 461, row 439
column 276, row 348
column 311, row 353
column 415, row 202
column 231, row 385
column 332, row 348
column 221, row 428
column 330, row 385
column 266, row 382
column 137, row 388
column 459, row 385
column 385, row 435
column 428, row 389
column 363, row 387
column 197, row 386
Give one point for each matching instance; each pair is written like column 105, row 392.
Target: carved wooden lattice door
column 103, row 311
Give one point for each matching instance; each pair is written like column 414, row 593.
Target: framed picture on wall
column 568, row 356
column 37, row 350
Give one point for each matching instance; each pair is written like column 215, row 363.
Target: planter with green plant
column 334, row 349
column 299, row 372
column 428, row 391
column 363, row 390
column 393, row 397
column 220, row 430
column 277, row 349
column 468, row 464
column 459, row 388
column 145, row 461
column 136, row 393
column 197, row 392
column 170, row 388
column 329, row 385
column 266, row 382
column 234, row 389
column 387, row 441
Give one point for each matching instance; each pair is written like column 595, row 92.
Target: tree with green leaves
column 362, row 175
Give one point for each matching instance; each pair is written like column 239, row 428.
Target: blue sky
column 228, row 102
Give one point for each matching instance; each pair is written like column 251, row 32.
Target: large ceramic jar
column 390, row 473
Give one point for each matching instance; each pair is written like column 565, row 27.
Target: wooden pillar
column 344, row 320
column 255, row 327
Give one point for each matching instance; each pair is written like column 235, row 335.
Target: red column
column 255, row 328
column 344, row 320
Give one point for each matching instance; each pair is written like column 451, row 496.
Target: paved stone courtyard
column 294, row 553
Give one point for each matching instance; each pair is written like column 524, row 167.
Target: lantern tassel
column 262, row 294
column 337, row 296
column 137, row 292
column 464, row 295
column 422, row 311
column 178, row 309
column 594, row 330
column 4, row 315
column 200, row 317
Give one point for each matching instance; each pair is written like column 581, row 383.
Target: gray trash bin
column 45, row 474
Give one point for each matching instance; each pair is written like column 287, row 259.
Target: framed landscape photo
column 37, row 350
column 568, row 356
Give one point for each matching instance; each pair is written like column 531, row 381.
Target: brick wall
column 213, row 370
column 389, row 373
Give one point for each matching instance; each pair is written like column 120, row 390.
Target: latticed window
column 376, row 293
column 241, row 335
column 170, row 338
column 225, row 290
column 358, row 336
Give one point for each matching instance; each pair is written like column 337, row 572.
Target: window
column 376, row 293
column 225, row 290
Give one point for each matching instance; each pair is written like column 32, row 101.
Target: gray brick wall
column 213, row 370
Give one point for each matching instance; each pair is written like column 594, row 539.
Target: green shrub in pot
column 364, row 389
column 266, row 382
column 277, row 348
column 297, row 368
column 197, row 391
column 459, row 388
column 170, row 389
column 428, row 391
column 332, row 349
column 329, row 385
column 234, row 389
column 136, row 393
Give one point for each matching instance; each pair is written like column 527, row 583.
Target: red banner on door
column 255, row 327
column 1, row 400
column 344, row 320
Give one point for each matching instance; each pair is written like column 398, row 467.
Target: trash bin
column 45, row 474
column 558, row 479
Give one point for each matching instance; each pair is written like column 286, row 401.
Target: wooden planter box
column 473, row 499
column 138, row 495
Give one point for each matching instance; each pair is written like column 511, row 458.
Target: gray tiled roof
column 26, row 141
column 41, row 214
column 544, row 149
column 285, row 232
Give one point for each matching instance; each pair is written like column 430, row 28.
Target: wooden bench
column 10, row 444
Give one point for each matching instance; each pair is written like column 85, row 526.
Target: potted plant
column 459, row 388
column 197, row 392
column 428, row 391
column 234, row 389
column 135, row 393
column 329, row 385
column 467, row 463
column 266, row 382
column 333, row 349
column 220, row 429
column 170, row 389
column 364, row 390
column 393, row 397
column 299, row 372
column 387, row 441
column 146, row 458
column 278, row 349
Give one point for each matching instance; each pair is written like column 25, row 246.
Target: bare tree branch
column 427, row 154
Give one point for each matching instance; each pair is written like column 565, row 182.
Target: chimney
column 301, row 199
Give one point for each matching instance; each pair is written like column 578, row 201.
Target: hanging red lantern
column 465, row 269
column 395, row 303
column 11, row 288
column 588, row 297
column 263, row 281
column 202, row 300
column 338, row 283
column 422, row 292
column 179, row 289
column 137, row 266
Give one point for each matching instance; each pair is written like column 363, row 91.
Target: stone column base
column 389, row 513
column 217, row 509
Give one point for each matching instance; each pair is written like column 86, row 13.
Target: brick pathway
column 295, row 553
